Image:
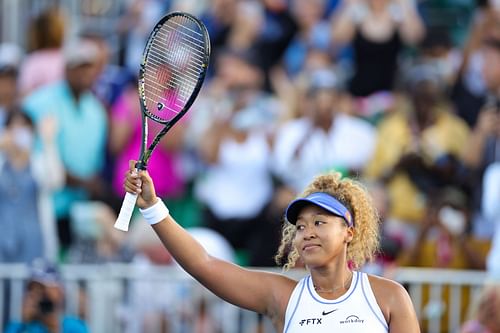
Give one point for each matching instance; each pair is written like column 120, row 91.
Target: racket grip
column 125, row 215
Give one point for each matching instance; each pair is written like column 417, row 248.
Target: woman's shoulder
column 388, row 293
column 377, row 282
column 394, row 302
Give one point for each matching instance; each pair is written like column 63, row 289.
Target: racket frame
column 126, row 211
column 146, row 150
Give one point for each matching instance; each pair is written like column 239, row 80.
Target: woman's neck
column 378, row 27
column 332, row 284
column 331, row 276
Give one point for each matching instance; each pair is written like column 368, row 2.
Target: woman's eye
column 318, row 222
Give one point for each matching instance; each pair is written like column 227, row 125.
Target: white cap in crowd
column 80, row 52
column 11, row 56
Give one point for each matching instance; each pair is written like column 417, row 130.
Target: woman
column 29, row 178
column 332, row 229
column 45, row 62
column 377, row 30
column 485, row 311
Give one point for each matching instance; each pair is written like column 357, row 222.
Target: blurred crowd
column 296, row 87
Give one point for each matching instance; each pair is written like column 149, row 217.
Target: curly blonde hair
column 355, row 197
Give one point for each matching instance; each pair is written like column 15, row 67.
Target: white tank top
column 355, row 311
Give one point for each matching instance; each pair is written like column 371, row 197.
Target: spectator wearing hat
column 82, row 129
column 43, row 304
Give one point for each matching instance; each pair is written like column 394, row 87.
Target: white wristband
column 155, row 213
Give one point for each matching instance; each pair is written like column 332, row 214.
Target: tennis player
column 332, row 229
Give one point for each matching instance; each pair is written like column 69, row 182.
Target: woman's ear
column 349, row 235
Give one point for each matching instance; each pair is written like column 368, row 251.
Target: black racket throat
column 141, row 165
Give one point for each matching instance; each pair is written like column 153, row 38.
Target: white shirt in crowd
column 491, row 211
column 302, row 151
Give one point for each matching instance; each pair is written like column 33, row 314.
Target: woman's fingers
column 133, row 181
column 131, row 165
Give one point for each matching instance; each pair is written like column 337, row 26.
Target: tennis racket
column 173, row 67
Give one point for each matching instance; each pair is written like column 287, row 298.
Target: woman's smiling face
column 321, row 236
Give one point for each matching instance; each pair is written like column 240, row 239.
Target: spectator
column 45, row 63
column 154, row 303
column 377, row 31
column 470, row 91
column 96, row 241
column 219, row 17
column 438, row 51
column 316, row 141
column 246, row 29
column 125, row 142
column 81, row 119
column 43, row 304
column 292, row 90
column 485, row 317
column 111, row 79
column 483, row 148
column 10, row 60
column 444, row 239
column 278, row 30
column 29, row 178
column 236, row 151
column 491, row 210
column 135, row 25
column 313, row 33
column 418, row 150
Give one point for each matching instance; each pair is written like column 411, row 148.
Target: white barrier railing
column 140, row 298
column 441, row 312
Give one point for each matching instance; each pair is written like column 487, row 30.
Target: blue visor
column 322, row 200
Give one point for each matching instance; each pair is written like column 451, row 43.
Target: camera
column 46, row 305
column 492, row 101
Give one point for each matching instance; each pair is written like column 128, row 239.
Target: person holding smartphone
column 43, row 304
column 483, row 148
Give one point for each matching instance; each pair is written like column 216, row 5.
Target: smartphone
column 492, row 102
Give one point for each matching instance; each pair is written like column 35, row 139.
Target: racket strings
column 157, row 59
column 175, row 88
column 164, row 81
column 173, row 66
column 192, row 44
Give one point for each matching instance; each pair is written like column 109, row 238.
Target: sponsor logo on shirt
column 315, row 321
column 324, row 313
column 310, row 322
column 352, row 319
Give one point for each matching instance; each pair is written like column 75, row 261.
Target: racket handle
column 125, row 215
